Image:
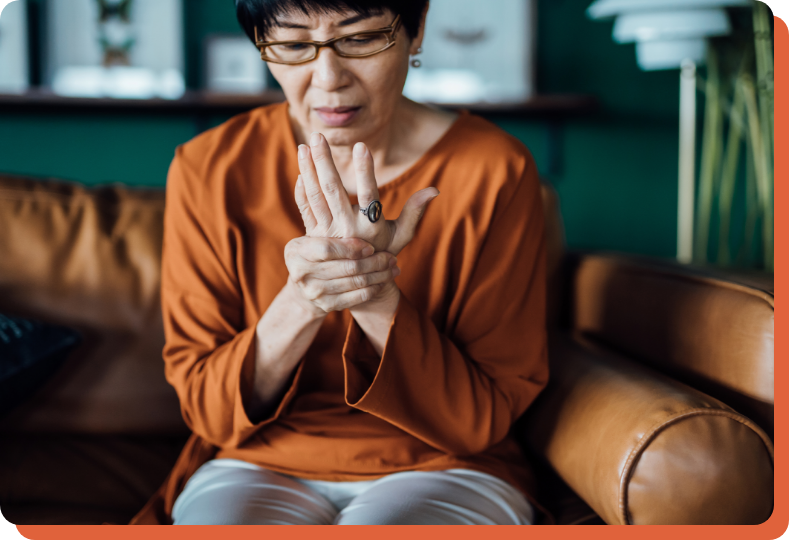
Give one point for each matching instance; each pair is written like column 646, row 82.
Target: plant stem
column 710, row 157
column 765, row 87
column 729, row 174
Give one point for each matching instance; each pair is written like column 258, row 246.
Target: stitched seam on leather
column 632, row 459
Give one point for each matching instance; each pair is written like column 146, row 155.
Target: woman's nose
column 328, row 73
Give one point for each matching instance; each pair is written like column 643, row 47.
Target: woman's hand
column 327, row 211
column 332, row 274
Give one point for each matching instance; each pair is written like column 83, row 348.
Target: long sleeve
column 209, row 355
column 461, row 391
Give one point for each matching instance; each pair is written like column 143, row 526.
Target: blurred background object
column 670, row 35
column 473, row 53
column 603, row 132
column 233, row 67
column 14, row 62
column 129, row 49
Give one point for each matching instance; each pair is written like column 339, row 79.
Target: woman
column 368, row 371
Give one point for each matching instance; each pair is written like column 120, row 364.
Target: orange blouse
column 466, row 352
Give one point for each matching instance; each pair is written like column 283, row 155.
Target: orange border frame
column 772, row 528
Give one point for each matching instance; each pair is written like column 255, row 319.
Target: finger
column 354, row 298
column 363, row 166
column 359, row 281
column 329, row 178
column 304, row 206
column 332, row 249
column 409, row 218
column 312, row 188
column 348, row 267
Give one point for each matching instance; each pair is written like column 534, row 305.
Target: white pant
column 233, row 492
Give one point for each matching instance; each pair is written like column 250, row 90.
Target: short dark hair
column 262, row 13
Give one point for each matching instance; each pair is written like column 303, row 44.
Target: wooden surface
column 208, row 103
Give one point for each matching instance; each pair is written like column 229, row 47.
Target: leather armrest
column 641, row 448
column 712, row 329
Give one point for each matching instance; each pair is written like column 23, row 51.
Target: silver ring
column 373, row 211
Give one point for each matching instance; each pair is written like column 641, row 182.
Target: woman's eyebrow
column 347, row 22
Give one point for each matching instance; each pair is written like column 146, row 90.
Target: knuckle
column 324, row 251
column 312, row 292
column 331, row 189
column 366, row 295
column 359, row 281
column 351, row 267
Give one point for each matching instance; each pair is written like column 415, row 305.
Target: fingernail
column 358, row 150
column 315, row 139
column 392, row 262
column 369, row 250
column 302, row 151
column 396, row 271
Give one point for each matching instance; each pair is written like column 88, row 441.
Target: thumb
column 409, row 218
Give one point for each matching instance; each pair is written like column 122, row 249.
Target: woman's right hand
column 333, row 274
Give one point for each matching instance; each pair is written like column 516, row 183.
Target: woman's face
column 347, row 99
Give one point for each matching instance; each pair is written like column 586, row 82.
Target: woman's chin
column 342, row 136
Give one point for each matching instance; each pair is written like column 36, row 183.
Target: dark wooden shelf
column 205, row 103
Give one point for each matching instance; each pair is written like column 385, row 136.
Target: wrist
column 306, row 308
column 385, row 302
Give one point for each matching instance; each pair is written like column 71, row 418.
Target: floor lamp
column 671, row 34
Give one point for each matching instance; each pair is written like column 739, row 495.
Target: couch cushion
column 709, row 328
column 81, row 479
column 641, row 448
column 89, row 259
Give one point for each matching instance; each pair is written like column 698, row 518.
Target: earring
column 416, row 62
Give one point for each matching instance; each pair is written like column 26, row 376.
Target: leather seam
column 635, row 453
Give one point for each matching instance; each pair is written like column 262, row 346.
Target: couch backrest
column 90, row 259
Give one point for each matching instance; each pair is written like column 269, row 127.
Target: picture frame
column 233, row 66
column 14, row 53
column 476, row 52
column 130, row 49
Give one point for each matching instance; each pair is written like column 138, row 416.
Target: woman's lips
column 337, row 116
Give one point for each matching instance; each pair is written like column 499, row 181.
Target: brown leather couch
column 659, row 409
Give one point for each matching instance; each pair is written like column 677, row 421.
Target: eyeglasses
column 356, row 45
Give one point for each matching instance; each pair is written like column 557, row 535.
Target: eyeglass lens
column 359, row 45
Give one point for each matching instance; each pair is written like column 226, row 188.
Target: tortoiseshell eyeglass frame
column 390, row 31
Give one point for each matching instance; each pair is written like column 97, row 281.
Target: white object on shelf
column 74, row 54
column 120, row 82
column 233, row 66
column 14, row 63
column 476, row 51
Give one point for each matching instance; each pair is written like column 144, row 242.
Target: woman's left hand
column 327, row 211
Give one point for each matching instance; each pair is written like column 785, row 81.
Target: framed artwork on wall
column 115, row 48
column 476, row 52
column 233, row 66
column 14, row 61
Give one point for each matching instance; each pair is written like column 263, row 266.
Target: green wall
column 615, row 170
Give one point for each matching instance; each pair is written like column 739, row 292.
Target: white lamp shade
column 671, row 25
column 610, row 8
column 655, row 55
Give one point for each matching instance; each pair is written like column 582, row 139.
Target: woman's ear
column 416, row 43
